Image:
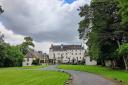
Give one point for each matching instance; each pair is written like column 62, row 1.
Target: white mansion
column 69, row 54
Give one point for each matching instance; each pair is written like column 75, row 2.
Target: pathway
column 83, row 78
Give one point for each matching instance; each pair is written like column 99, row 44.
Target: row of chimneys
column 61, row 46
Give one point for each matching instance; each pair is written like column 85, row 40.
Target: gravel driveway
column 83, row 78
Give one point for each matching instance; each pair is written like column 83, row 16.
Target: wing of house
column 33, row 55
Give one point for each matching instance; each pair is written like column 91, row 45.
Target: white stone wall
column 27, row 63
column 88, row 61
column 72, row 54
column 108, row 63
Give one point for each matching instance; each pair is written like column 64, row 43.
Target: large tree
column 14, row 56
column 103, row 24
column 123, row 46
column 9, row 55
column 3, row 54
column 123, row 52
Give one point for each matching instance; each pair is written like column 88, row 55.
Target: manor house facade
column 66, row 53
column 70, row 54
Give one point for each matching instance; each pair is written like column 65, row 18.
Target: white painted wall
column 27, row 63
column 88, row 61
column 71, row 54
column 67, row 54
column 108, row 63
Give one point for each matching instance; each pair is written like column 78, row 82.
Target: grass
column 106, row 72
column 31, row 77
column 33, row 67
column 26, row 67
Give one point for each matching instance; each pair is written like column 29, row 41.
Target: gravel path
column 83, row 78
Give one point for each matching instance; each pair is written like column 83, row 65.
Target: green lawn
column 31, row 77
column 33, row 67
column 26, row 67
column 106, row 72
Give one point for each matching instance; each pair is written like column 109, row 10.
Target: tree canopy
column 104, row 26
column 13, row 55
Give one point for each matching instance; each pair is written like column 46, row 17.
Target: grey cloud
column 44, row 20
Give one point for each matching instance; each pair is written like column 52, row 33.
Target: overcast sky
column 46, row 21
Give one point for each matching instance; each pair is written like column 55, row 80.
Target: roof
column 66, row 47
column 34, row 54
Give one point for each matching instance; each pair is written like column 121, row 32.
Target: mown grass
column 31, row 77
column 26, row 67
column 33, row 67
column 106, row 72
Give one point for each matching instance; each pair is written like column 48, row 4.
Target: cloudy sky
column 46, row 21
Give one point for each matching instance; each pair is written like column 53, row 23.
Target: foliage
column 104, row 23
column 123, row 52
column 10, row 55
column 25, row 46
column 123, row 49
column 15, row 56
column 123, row 4
column 104, row 33
column 3, row 54
column 84, row 24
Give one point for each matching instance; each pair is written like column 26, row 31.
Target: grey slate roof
column 34, row 54
column 66, row 47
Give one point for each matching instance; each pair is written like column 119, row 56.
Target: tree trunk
column 102, row 62
column 125, row 62
column 113, row 64
column 118, row 43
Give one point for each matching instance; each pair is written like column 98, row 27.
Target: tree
column 9, row 55
column 123, row 52
column 84, row 24
column 15, row 56
column 103, row 24
column 3, row 54
column 25, row 46
column 123, row 4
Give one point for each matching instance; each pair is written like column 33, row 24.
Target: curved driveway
column 83, row 78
